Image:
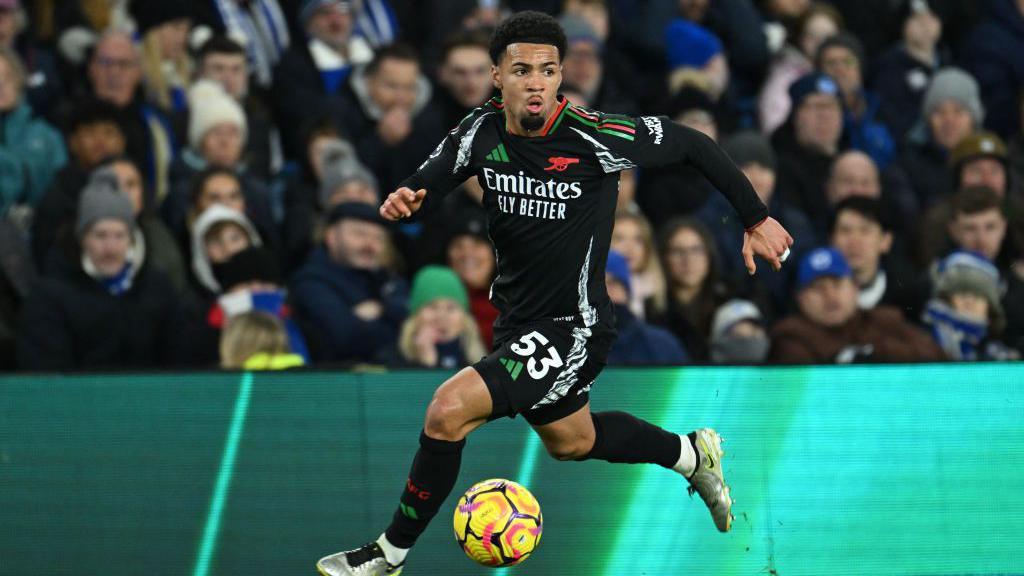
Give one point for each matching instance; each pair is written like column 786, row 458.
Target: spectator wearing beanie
column 94, row 132
column 965, row 314
column 223, row 60
column 251, row 281
column 439, row 332
column 471, row 255
column 108, row 309
column 162, row 252
column 217, row 132
column 738, row 334
column 344, row 178
column 903, row 73
column 808, row 143
column 695, row 57
column 830, row 329
column 951, row 111
column 992, row 54
column 842, row 58
column 344, row 293
column 31, row 151
column 637, row 343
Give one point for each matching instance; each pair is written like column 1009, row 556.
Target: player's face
column 528, row 77
column 829, row 301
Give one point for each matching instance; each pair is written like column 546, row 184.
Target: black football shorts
column 544, row 370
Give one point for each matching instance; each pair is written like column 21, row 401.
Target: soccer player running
column 549, row 170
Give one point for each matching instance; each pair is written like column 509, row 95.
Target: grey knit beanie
column 341, row 166
column 102, row 199
column 957, row 85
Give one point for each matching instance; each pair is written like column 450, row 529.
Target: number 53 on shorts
column 540, row 357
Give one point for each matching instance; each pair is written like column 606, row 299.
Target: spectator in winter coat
column 862, row 234
column 993, row 55
column 94, row 133
column 830, row 329
column 218, row 234
column 31, row 151
column 108, row 309
column 965, row 315
column 796, row 59
column 309, row 77
column 439, row 332
column 842, row 58
column 222, row 60
column 389, row 118
column 638, row 343
column 471, row 255
column 251, row 281
column 951, row 111
column 738, row 334
column 464, row 75
column 903, row 73
column 114, row 72
column 163, row 29
column 353, row 304
column 808, row 143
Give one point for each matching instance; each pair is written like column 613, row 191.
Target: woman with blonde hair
column 440, row 332
column 633, row 238
column 166, row 65
column 256, row 341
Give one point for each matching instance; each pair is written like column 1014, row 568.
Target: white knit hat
column 209, row 105
column 201, row 265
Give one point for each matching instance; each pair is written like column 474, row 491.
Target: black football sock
column 624, row 438
column 434, row 471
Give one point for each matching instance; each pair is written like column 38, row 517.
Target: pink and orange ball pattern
column 498, row 523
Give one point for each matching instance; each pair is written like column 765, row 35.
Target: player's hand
column 768, row 240
column 402, row 203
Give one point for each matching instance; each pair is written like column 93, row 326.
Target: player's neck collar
column 549, row 127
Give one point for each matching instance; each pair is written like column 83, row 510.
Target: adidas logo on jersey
column 498, row 154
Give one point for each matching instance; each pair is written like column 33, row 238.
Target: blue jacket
column 868, row 134
column 640, row 343
column 993, row 55
column 31, row 152
column 324, row 294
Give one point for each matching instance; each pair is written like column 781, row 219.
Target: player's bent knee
column 570, row 450
column 445, row 419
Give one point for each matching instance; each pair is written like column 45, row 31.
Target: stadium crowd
column 194, row 183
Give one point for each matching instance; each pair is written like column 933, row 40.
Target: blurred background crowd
column 194, row 183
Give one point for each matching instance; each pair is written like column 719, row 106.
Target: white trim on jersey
column 610, row 163
column 466, row 144
column 577, row 356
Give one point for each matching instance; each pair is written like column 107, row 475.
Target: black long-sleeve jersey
column 550, row 199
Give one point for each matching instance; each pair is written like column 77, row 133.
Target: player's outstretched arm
column 769, row 240
column 402, row 203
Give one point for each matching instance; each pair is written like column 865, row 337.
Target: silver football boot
column 708, row 480
column 367, row 560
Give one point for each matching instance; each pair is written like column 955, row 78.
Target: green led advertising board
column 836, row 470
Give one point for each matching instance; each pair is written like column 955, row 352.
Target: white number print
column 529, row 347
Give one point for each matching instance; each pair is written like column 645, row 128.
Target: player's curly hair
column 528, row 26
